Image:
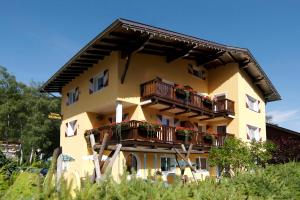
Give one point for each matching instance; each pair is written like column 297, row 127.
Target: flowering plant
column 185, row 131
column 123, row 124
column 149, row 126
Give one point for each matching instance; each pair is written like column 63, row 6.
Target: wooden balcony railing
column 132, row 133
column 167, row 92
column 224, row 105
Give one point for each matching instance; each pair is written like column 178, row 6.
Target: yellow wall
column 93, row 110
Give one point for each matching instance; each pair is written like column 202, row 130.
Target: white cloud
column 279, row 116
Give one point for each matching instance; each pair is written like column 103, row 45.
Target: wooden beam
column 232, row 56
column 96, row 160
column 258, row 80
column 87, row 56
column 125, row 69
column 113, row 158
column 146, row 150
column 244, row 64
column 210, row 58
column 185, row 159
column 181, row 54
column 98, row 52
column 168, row 108
column 183, row 112
column 197, row 115
column 92, row 61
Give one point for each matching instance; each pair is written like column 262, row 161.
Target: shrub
column 26, row 186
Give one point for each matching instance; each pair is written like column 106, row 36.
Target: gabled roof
column 270, row 125
column 132, row 37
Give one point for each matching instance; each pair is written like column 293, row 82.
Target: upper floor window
column 253, row 133
column 196, row 71
column 201, row 164
column 98, row 82
column 71, row 128
column 252, row 103
column 72, row 96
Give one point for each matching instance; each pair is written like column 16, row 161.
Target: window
column 165, row 120
column 196, row 71
column 253, row 133
column 201, row 164
column 167, row 164
column 98, row 82
column 72, row 96
column 252, row 103
column 221, row 129
column 125, row 117
column 71, row 128
column 131, row 164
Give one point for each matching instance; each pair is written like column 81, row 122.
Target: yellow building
column 156, row 92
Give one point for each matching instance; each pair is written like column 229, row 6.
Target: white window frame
column 200, row 166
column 252, row 103
column 95, row 82
column 72, row 97
column 253, row 132
column 71, row 128
column 172, row 169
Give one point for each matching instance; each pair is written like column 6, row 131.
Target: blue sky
column 38, row 37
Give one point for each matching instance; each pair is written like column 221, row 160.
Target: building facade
column 164, row 96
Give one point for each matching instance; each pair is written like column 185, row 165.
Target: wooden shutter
column 66, row 130
column 67, row 100
column 105, row 78
column 91, row 85
column 76, row 94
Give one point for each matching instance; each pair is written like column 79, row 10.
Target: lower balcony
column 138, row 133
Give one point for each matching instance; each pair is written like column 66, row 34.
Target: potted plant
column 119, row 128
column 208, row 139
column 183, row 93
column 184, row 134
column 148, row 129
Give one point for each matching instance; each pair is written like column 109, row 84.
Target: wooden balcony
column 132, row 133
column 169, row 95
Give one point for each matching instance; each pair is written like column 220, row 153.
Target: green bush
column 26, row 186
column 272, row 182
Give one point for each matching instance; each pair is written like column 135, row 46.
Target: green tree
column 24, row 115
column 236, row 156
column 233, row 156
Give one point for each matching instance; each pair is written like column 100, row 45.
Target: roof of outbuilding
column 131, row 37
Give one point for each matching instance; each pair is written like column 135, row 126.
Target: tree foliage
column 24, row 115
column 236, row 156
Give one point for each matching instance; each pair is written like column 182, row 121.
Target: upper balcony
column 183, row 100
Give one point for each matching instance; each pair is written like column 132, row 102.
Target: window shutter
column 75, row 127
column 247, row 102
column 66, row 130
column 76, row 94
column 91, row 86
column 248, row 133
column 159, row 119
column 256, row 134
column 67, row 100
column 105, row 78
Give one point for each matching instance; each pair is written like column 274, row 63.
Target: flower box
column 148, row 130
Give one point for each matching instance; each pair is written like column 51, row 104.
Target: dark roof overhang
column 131, row 37
column 270, row 125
